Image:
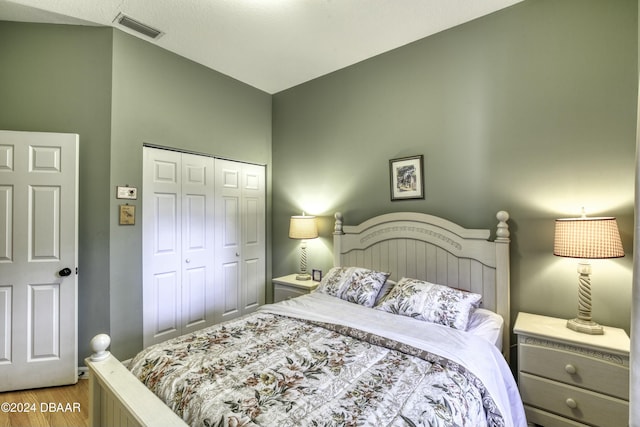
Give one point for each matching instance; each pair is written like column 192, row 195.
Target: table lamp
column 586, row 238
column 303, row 227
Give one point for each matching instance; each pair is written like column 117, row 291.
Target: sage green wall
column 57, row 78
column 531, row 109
column 163, row 99
column 119, row 92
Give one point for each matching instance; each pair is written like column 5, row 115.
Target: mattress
column 319, row 360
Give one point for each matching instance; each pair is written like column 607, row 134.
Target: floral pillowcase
column 432, row 303
column 354, row 284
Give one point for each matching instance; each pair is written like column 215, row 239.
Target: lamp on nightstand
column 587, row 238
column 303, row 227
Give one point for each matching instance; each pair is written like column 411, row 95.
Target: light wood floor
column 66, row 406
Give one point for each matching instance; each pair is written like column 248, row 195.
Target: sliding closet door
column 178, row 244
column 240, row 238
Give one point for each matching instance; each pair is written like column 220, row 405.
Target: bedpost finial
column 503, row 232
column 99, row 345
column 337, row 228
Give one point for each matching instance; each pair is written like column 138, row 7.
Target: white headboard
column 426, row 247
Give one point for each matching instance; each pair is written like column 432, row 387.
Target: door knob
column 64, row 272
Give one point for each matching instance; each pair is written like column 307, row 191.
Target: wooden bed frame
column 426, row 247
column 405, row 244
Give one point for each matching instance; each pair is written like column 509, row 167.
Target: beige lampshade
column 594, row 238
column 303, row 227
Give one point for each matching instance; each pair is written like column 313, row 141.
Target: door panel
column 5, row 317
column 44, row 223
column 198, row 285
column 227, row 255
column 165, row 302
column 38, row 238
column 230, row 278
column 161, row 246
column 254, row 280
column 240, row 193
column 195, row 296
column 178, row 243
column 43, row 315
column 6, row 229
column 254, row 236
column 165, row 229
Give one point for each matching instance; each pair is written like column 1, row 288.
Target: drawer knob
column 570, row 369
column 571, row 403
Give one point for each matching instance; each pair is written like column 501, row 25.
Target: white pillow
column 354, row 284
column 488, row 325
column 431, row 302
column 364, row 287
column 333, row 282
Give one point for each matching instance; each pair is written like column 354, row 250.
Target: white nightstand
column 567, row 378
column 287, row 287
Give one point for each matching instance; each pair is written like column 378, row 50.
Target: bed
column 343, row 355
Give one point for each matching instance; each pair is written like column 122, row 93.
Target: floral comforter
column 270, row 369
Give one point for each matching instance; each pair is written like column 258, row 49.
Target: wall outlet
column 83, row 372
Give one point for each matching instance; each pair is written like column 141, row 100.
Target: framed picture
column 316, row 275
column 127, row 215
column 407, row 178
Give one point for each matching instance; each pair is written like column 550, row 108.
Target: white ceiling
column 269, row 44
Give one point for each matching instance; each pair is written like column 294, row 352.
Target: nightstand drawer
column 572, row 402
column 583, row 371
column 541, row 418
column 281, row 292
column 287, row 287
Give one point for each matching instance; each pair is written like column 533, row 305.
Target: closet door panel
column 161, row 246
column 254, row 235
column 240, row 231
column 198, row 216
column 194, row 297
column 254, row 280
column 228, row 243
column 164, row 300
column 165, row 230
column 229, row 289
column 228, row 257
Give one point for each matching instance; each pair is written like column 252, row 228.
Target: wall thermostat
column 130, row 193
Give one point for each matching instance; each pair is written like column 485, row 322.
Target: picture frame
column 127, row 215
column 406, row 176
column 316, row 275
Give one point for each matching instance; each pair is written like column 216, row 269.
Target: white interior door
column 38, row 259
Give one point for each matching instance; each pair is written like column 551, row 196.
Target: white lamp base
column 303, row 276
column 585, row 326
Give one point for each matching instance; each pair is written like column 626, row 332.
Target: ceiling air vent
column 137, row 26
